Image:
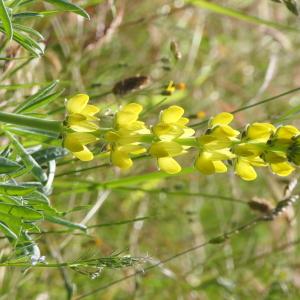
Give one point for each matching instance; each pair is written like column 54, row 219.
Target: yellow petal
column 246, row 149
column 220, row 167
column 282, row 168
column 163, row 149
column 168, row 165
column 204, row 164
column 90, row 110
column 77, row 103
column 84, row 155
column 133, row 108
column 172, row 114
column 261, row 131
column 121, row 159
column 223, row 118
column 76, row 140
column 124, row 118
column 245, row 170
column 224, row 131
column 275, row 157
column 286, row 132
column 182, row 121
column 167, row 131
column 84, row 126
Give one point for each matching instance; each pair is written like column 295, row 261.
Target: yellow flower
column 164, row 151
column 171, row 126
column 215, row 145
column 81, row 115
column 76, row 142
column 280, row 150
column 125, row 139
column 251, row 148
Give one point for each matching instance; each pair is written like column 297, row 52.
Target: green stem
column 32, row 122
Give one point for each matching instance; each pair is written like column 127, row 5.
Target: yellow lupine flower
column 164, row 151
column 172, row 125
column 215, row 145
column 125, row 139
column 76, row 142
column 81, row 115
column 249, row 150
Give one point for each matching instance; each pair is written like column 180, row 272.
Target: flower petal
column 163, row 149
column 167, row 131
column 172, row 114
column 84, row 126
column 223, row 118
column 90, row 110
column 84, row 155
column 220, row 167
column 204, row 164
column 121, row 159
column 76, row 140
column 286, row 132
column 282, row 168
column 77, row 103
column 245, row 170
column 168, row 165
column 261, row 131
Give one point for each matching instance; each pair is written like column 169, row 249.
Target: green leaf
column 238, row 14
column 41, row 102
column 48, row 154
column 58, row 220
column 19, row 211
column 7, row 231
column 36, row 98
column 28, row 160
column 15, row 190
column 6, row 20
column 68, row 6
column 14, row 223
column 8, row 166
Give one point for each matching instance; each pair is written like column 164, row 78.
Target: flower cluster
column 81, row 126
column 258, row 145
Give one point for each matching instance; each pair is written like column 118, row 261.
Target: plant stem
column 32, row 122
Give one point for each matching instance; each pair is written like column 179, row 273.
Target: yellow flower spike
column 172, row 114
column 260, row 131
column 223, row 118
column 168, row 165
column 282, row 168
column 244, row 169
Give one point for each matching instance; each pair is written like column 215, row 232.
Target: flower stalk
column 55, row 127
